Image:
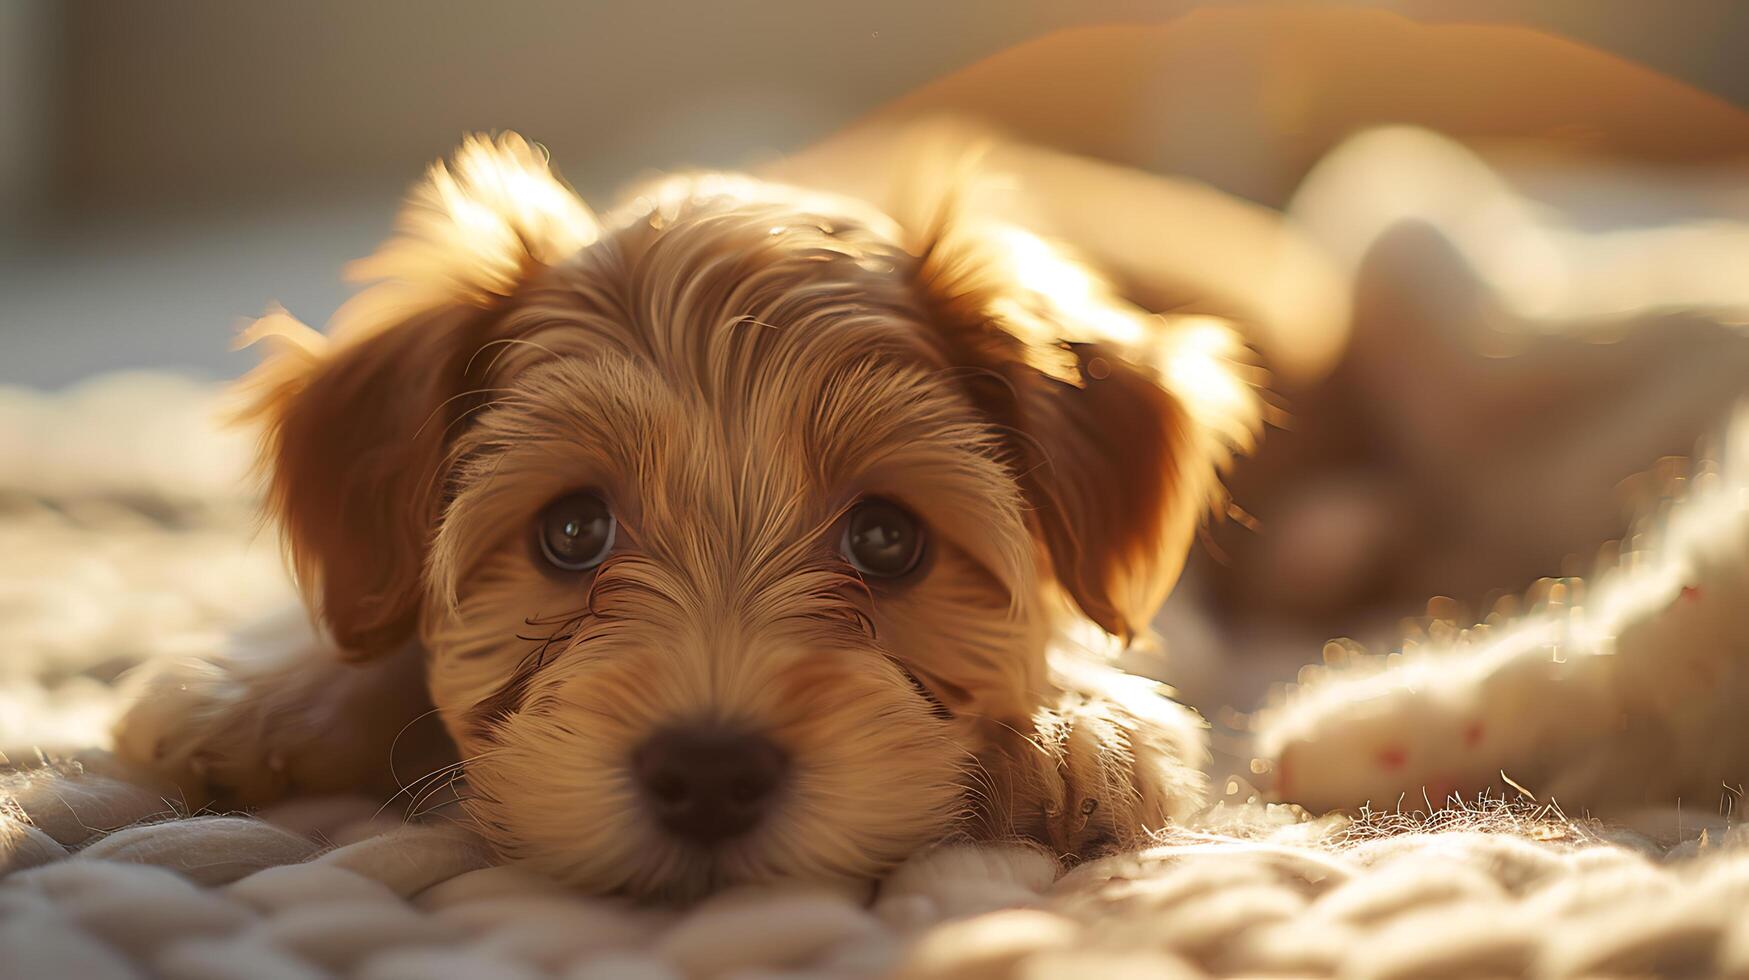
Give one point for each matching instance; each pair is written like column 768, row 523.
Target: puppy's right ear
column 356, row 425
column 1118, row 423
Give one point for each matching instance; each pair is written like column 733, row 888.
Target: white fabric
column 102, row 877
column 1495, row 891
column 1606, row 695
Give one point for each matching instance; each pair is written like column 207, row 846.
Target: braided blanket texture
column 126, row 540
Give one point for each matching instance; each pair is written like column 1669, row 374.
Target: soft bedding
column 127, row 540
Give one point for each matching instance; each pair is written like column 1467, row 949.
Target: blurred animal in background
column 742, row 532
column 1519, row 355
column 1618, row 695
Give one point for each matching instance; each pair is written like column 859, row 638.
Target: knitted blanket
column 125, row 539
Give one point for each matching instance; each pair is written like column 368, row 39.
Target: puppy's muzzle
column 708, row 785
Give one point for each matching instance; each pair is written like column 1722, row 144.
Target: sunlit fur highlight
column 733, row 364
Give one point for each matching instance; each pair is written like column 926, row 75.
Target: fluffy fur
column 732, row 364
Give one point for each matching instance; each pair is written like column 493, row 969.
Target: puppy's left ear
column 357, row 424
column 1118, row 421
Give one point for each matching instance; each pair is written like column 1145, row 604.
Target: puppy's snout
column 708, row 785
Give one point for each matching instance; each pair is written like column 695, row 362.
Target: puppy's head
column 735, row 524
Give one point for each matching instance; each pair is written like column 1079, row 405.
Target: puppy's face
column 734, row 528
column 733, row 562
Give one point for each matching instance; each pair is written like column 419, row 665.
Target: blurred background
column 168, row 168
column 1536, row 213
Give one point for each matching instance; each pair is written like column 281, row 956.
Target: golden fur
column 731, row 364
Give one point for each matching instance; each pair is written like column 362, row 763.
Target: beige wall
column 28, row 95
column 179, row 102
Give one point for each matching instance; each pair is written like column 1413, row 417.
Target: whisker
column 435, row 807
column 461, row 394
column 471, row 411
column 413, row 787
column 418, row 805
column 393, row 745
column 438, row 773
column 505, row 343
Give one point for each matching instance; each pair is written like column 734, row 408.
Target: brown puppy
column 743, row 533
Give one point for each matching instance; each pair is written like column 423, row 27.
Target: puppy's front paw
column 1096, row 775
column 279, row 714
column 194, row 723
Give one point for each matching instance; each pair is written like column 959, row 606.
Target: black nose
column 706, row 784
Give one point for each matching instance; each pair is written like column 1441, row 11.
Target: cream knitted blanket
column 124, row 540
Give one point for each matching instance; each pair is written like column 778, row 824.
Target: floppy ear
column 356, row 425
column 1118, row 420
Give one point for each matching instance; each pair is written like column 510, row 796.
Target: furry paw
column 277, row 715
column 191, row 724
column 1109, row 764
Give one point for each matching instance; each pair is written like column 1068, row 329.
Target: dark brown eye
column 576, row 531
column 882, row 539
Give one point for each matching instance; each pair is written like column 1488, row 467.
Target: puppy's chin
column 874, row 773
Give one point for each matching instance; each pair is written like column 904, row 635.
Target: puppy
column 742, row 533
